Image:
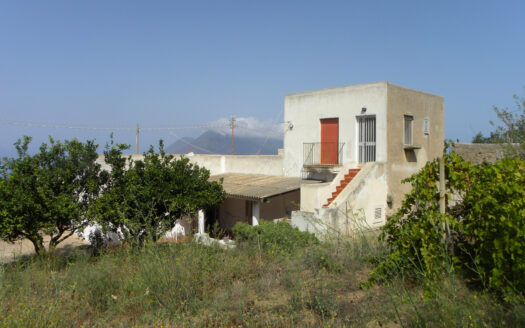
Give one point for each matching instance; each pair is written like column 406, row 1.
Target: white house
column 345, row 153
column 362, row 140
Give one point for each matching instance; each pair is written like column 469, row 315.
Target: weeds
column 190, row 285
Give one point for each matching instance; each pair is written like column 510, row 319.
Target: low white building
column 345, row 153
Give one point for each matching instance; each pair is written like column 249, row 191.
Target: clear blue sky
column 168, row 63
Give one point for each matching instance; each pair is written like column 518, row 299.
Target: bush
column 144, row 198
column 485, row 211
column 277, row 238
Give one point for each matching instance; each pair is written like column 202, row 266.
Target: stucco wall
column 313, row 195
column 217, row 164
column 401, row 163
column 354, row 208
column 304, row 110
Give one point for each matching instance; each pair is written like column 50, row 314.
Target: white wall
column 217, row 164
column 304, row 111
column 355, row 206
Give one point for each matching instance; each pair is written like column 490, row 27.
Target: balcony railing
column 322, row 153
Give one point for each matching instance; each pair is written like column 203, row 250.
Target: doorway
column 329, row 141
column 367, row 138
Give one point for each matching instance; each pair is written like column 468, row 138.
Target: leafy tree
column 48, row 193
column 484, row 210
column 144, row 198
column 512, row 130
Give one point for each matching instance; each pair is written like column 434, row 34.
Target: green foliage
column 48, row 193
column 190, row 285
column 275, row 237
column 145, row 197
column 484, row 213
column 512, row 130
column 491, row 228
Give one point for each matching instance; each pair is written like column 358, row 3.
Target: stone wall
column 479, row 153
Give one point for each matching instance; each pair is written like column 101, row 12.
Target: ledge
column 411, row 147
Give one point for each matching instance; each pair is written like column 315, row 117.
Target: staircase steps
column 342, row 185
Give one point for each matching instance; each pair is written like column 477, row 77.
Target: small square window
column 426, row 126
column 408, row 129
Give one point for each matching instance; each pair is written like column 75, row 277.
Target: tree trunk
column 38, row 244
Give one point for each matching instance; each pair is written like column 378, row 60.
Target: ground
column 10, row 251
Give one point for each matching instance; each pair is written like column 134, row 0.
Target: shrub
column 276, row 237
column 144, row 198
column 485, row 211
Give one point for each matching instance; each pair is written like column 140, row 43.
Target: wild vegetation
column 479, row 236
column 255, row 285
column 463, row 268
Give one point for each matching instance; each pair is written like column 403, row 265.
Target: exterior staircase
column 342, row 184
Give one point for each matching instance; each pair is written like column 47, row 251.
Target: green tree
column 511, row 131
column 144, row 198
column 485, row 207
column 48, row 193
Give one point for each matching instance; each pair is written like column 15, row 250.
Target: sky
column 107, row 66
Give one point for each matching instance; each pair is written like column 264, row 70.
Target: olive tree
column 143, row 198
column 49, row 193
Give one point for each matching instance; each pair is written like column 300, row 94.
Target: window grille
column 367, row 138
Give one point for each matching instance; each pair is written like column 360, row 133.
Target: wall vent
column 426, row 126
column 378, row 215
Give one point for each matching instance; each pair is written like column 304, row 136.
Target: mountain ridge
column 211, row 142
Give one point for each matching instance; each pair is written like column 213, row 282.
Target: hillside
column 211, row 142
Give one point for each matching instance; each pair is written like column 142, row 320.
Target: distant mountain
column 211, row 142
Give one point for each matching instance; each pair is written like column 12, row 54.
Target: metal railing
column 323, row 153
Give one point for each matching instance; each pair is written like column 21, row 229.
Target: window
column 408, row 129
column 426, row 126
column 367, row 138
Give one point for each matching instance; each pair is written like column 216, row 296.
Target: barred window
column 408, row 129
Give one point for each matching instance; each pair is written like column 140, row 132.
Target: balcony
column 323, row 153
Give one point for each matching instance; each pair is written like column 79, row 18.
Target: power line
column 84, row 127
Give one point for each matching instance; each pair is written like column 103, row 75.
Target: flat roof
column 258, row 186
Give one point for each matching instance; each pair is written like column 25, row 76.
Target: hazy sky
column 188, row 63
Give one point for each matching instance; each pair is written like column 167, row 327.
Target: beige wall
column 305, row 110
column 402, row 163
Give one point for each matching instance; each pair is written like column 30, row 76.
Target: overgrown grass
column 189, row 285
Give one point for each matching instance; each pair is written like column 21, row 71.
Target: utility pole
column 442, row 204
column 232, row 125
column 442, row 201
column 137, row 140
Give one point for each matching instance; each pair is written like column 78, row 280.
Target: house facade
column 346, row 151
column 361, row 141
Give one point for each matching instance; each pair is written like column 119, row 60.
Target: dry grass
column 188, row 285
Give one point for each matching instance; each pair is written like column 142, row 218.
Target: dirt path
column 9, row 251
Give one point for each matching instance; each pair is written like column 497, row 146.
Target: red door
column 329, row 140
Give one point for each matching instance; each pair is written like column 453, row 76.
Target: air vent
column 426, row 126
column 378, row 215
